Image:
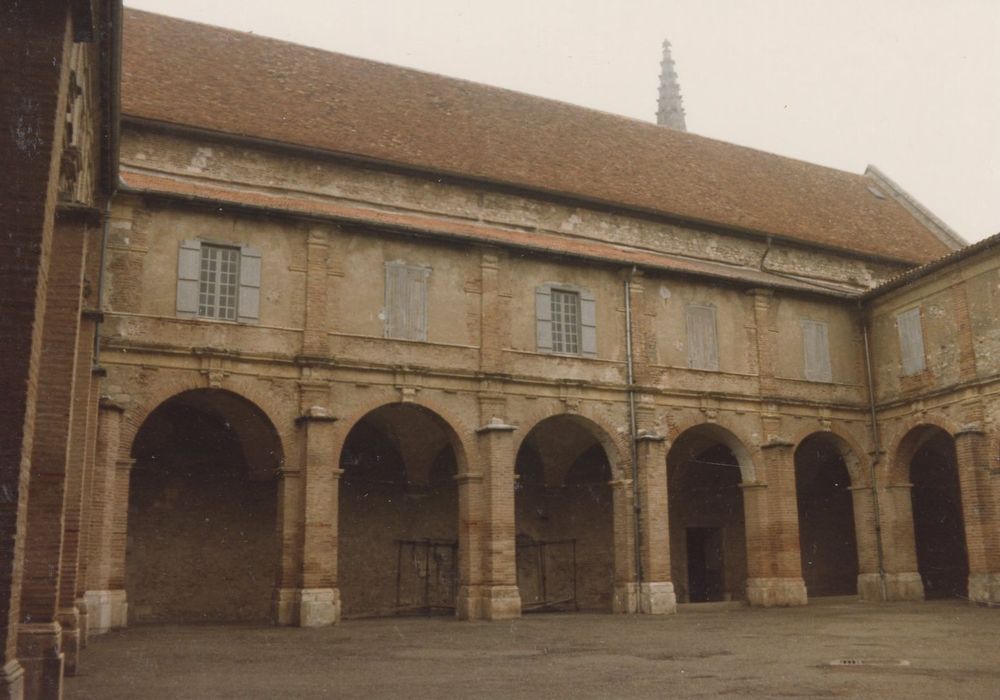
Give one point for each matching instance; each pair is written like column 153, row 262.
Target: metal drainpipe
column 636, row 507
column 877, row 438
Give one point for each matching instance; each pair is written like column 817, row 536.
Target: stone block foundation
column 776, row 592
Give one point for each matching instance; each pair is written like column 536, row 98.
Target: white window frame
column 586, row 326
column 566, row 336
column 218, row 297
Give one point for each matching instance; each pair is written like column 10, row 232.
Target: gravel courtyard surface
column 832, row 649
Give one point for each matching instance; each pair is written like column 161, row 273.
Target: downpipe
column 636, row 507
column 876, row 458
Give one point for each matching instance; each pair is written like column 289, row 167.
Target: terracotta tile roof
column 222, row 80
column 212, row 192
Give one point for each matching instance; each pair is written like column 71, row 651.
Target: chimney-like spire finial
column 670, row 109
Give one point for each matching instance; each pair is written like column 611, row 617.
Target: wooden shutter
column 702, row 338
column 543, row 318
column 911, row 341
column 406, row 301
column 588, row 324
column 249, row 303
column 188, row 275
column 416, row 303
column 816, row 346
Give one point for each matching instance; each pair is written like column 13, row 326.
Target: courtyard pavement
column 830, row 649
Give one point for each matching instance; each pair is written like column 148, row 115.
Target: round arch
column 567, row 551
column 909, row 438
column 202, row 542
column 849, row 449
column 825, row 468
column 701, row 433
column 616, row 449
column 277, row 409
column 457, row 431
column 925, row 457
column 707, row 465
column 398, row 510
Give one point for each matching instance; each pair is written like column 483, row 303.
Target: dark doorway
column 827, row 540
column 706, row 567
column 937, row 519
column 707, row 531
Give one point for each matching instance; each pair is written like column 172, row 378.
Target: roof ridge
column 275, row 90
column 644, row 123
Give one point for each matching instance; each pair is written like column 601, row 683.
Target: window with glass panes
column 218, row 282
column 565, row 321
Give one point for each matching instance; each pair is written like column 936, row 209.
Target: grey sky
column 912, row 86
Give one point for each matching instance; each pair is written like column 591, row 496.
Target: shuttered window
column 565, row 320
column 702, row 337
column 911, row 341
column 406, row 301
column 816, row 347
column 220, row 271
column 218, row 281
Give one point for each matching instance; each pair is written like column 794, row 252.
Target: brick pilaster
column 101, row 517
column 979, row 510
column 774, row 565
column 51, row 481
column 119, row 540
column 764, row 337
column 656, row 594
column 70, row 604
column 899, row 543
column 964, row 337
column 499, row 596
column 285, row 601
column 318, row 597
column 315, row 341
column 626, row 593
column 491, row 314
column 32, row 103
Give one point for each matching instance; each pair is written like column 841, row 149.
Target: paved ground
column 927, row 650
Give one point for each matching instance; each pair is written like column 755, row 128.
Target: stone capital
column 496, row 425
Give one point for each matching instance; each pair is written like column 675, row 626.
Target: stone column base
column 499, row 602
column 69, row 621
column 626, row 598
column 84, row 617
column 905, row 586
column 469, row 603
column 984, row 588
column 285, row 606
column 776, row 592
column 12, row 681
column 657, row 598
column 319, row 607
column 40, row 653
column 119, row 608
column 870, row 588
column 98, row 605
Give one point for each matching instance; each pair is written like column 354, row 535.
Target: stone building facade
column 373, row 341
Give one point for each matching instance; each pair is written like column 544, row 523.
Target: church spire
column 670, row 111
